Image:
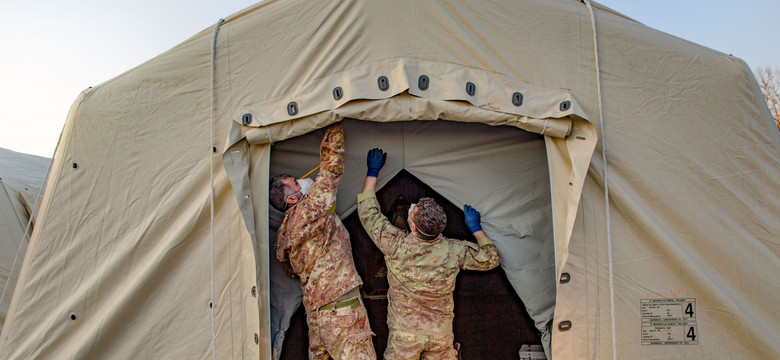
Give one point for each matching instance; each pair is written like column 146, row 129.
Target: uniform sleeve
column 481, row 257
column 280, row 248
column 332, row 150
column 382, row 233
column 322, row 196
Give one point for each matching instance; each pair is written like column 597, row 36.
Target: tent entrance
column 490, row 319
column 502, row 171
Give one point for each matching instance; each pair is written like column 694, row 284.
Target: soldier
column 313, row 245
column 421, row 269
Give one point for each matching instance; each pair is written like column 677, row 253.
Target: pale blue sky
column 55, row 49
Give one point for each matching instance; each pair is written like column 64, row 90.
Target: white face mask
column 305, row 185
column 410, row 209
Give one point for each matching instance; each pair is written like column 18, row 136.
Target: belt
column 352, row 303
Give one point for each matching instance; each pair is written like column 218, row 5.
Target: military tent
column 629, row 178
column 21, row 177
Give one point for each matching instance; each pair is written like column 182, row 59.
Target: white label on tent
column 668, row 321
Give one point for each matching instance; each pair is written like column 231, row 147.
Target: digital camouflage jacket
column 421, row 273
column 312, row 241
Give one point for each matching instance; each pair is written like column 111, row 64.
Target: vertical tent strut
column 606, row 178
column 211, row 189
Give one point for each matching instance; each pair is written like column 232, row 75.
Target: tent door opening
column 502, row 171
column 490, row 319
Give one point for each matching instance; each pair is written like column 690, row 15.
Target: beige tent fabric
column 14, row 243
column 119, row 265
column 693, row 178
column 21, row 179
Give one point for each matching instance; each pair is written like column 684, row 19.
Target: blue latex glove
column 375, row 160
column 472, row 218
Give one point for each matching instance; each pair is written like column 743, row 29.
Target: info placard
column 669, row 321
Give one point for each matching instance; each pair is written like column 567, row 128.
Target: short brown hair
column 429, row 218
column 278, row 192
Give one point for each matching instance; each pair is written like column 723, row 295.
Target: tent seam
column 211, row 189
column 606, row 177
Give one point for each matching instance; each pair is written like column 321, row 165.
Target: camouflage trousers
column 404, row 346
column 341, row 333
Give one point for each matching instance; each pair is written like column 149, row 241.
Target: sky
column 54, row 49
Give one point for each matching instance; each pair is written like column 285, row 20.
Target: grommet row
column 566, row 324
column 423, row 83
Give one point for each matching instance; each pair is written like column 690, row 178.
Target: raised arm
column 485, row 256
column 382, row 233
column 332, row 149
column 375, row 160
column 322, row 196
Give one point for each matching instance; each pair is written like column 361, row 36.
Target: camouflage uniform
column 313, row 243
column 421, row 274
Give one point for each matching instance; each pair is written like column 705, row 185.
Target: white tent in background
column 21, row 177
column 658, row 159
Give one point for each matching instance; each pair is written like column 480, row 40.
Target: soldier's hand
column 375, row 160
column 472, row 218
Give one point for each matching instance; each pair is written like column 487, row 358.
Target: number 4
column 689, row 309
column 691, row 333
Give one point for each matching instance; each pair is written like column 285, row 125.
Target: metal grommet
column 565, row 278
column 246, row 119
column 254, row 291
column 422, row 82
column 338, row 92
column 292, row 108
column 471, row 89
column 565, row 105
column 257, row 339
column 517, row 99
column 564, row 325
column 383, row 83
column 75, row 165
column 73, row 316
